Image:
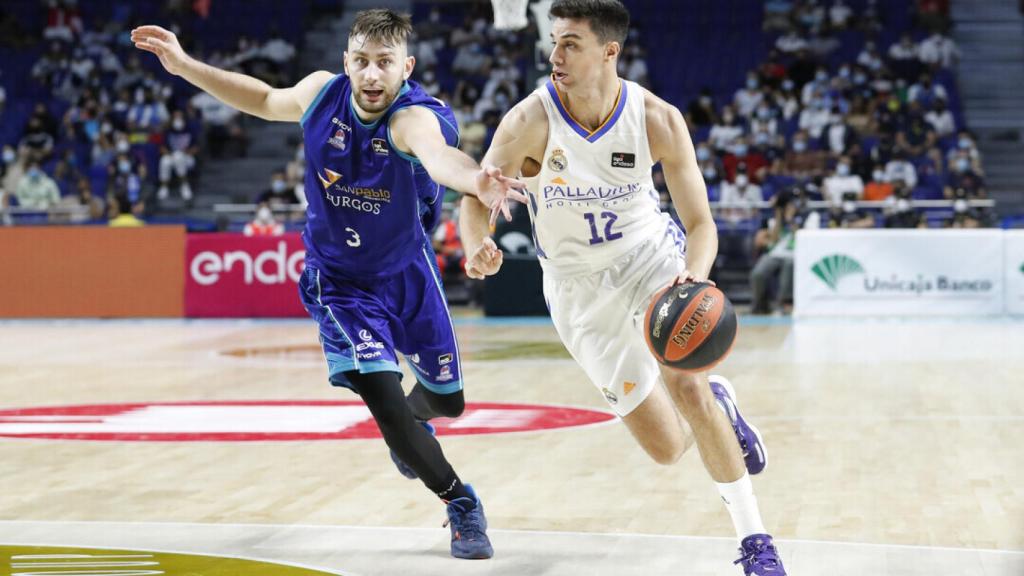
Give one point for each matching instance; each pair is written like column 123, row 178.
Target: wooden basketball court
column 892, row 450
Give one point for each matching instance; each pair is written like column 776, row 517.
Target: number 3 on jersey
column 609, row 235
column 355, row 241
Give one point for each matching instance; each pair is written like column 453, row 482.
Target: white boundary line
column 505, row 531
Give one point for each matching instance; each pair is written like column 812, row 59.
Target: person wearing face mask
column 177, row 157
column 36, row 190
column 279, row 195
column 962, row 174
column 742, row 153
column 878, row 188
column 801, row 161
column 965, row 144
column 264, row 224
column 899, row 168
column 842, row 182
column 740, row 197
column 749, row 96
column 725, row 133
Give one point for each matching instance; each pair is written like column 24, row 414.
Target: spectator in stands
column 941, row 119
column 447, row 244
column 36, row 141
column 965, row 143
column 802, row 69
column 63, row 21
column 939, row 51
column 932, row 14
column 94, row 206
column 147, row 114
column 47, row 69
column 279, row 196
column 822, row 43
column 899, row 169
column 838, row 136
column 926, row 91
column 724, row 134
column 742, row 154
column 177, row 157
column 816, row 87
column 786, row 101
column 918, row 138
column 743, row 196
column 36, row 190
column 122, row 214
column 710, row 167
column 843, row 182
column 125, row 179
column 635, row 65
column 776, row 243
column 846, row 214
column 878, row 188
column 815, row 116
column 764, row 120
column 746, row 99
column 801, row 161
column 264, row 223
column 962, row 175
column 859, row 119
column 902, row 214
column 903, row 57
column 701, row 111
column 772, row 71
column 839, row 15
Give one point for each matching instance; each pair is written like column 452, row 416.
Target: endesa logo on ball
column 231, row 275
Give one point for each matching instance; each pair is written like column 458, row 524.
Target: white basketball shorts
column 600, row 317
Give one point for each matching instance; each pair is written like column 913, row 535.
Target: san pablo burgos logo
column 832, row 269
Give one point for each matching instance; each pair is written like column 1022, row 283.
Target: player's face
column 377, row 72
column 578, row 56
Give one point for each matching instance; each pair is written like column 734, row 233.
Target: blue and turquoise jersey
column 371, row 206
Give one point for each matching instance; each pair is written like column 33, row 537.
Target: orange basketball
column 691, row 326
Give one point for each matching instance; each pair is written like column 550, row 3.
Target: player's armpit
column 521, row 134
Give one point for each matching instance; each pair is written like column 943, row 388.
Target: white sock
column 742, row 505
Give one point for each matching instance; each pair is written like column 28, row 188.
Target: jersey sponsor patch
column 623, row 160
column 380, row 146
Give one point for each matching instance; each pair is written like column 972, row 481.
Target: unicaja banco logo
column 832, row 269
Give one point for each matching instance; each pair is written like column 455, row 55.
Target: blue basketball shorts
column 365, row 324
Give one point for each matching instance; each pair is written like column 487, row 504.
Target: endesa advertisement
column 234, row 276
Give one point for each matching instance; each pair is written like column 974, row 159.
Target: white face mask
column 122, row 146
column 843, row 170
column 849, row 206
column 742, row 180
column 960, row 205
column 278, row 186
column 9, row 156
column 178, row 124
column 264, row 214
column 878, row 176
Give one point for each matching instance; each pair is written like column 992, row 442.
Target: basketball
column 690, row 327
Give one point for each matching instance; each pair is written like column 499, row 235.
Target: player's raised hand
column 164, row 44
column 494, row 190
column 485, row 261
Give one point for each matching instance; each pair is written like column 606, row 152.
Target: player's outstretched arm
column 671, row 145
column 248, row 94
column 416, row 130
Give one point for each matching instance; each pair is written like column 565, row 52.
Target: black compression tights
column 427, row 405
column 382, row 392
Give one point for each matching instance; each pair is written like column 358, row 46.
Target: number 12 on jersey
column 609, row 219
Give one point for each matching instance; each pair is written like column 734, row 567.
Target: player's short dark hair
column 382, row 25
column 609, row 19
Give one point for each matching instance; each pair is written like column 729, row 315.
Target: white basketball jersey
column 593, row 199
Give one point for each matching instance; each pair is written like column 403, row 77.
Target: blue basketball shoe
column 469, row 528
column 402, row 466
column 755, row 455
column 759, row 557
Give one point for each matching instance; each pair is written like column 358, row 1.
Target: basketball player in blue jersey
column 585, row 143
column 379, row 154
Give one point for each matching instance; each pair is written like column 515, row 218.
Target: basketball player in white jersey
column 585, row 143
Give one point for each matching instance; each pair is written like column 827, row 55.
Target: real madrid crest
column 557, row 162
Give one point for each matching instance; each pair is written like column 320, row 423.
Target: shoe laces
column 467, row 524
column 759, row 553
